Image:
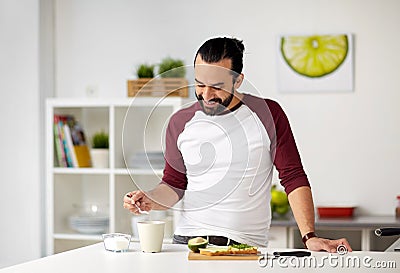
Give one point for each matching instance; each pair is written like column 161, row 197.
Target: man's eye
column 200, row 85
column 217, row 88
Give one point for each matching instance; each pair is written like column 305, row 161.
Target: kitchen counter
column 371, row 222
column 359, row 230
column 174, row 258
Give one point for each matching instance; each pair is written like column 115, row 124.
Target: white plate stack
column 147, row 160
column 89, row 224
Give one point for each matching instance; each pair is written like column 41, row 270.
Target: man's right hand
column 139, row 198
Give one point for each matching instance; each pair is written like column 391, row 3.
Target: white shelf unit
column 134, row 125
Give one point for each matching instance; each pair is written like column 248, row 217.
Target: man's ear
column 238, row 81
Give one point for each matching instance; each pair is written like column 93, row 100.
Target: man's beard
column 221, row 105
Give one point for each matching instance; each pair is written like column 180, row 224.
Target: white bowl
column 116, row 242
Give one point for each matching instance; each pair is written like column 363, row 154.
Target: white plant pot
column 99, row 158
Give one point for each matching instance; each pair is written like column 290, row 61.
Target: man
column 220, row 154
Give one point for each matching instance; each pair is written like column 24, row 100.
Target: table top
column 353, row 222
column 174, row 258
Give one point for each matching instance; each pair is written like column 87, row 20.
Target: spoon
column 139, row 209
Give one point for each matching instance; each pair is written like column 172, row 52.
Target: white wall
column 348, row 141
column 20, row 184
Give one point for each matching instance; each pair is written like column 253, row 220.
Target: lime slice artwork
column 314, row 56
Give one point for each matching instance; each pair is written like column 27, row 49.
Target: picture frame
column 315, row 63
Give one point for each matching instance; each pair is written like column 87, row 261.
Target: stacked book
column 71, row 148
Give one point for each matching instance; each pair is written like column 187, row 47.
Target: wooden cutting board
column 198, row 256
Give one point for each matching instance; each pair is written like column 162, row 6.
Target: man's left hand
column 322, row 244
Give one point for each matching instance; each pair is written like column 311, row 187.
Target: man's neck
column 235, row 103
column 237, row 98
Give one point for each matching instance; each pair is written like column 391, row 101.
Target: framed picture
column 316, row 63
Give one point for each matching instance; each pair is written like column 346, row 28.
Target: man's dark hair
column 217, row 49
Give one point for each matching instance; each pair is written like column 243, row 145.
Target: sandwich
column 239, row 249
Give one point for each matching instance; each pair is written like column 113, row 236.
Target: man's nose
column 208, row 93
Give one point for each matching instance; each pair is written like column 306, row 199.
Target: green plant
column 171, row 68
column 100, row 140
column 145, row 71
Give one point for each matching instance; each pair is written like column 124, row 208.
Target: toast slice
column 240, row 249
column 214, row 251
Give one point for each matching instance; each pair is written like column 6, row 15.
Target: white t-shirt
column 221, row 166
column 229, row 173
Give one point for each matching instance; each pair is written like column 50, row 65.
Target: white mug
column 151, row 235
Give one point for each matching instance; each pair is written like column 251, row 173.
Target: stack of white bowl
column 147, row 160
column 89, row 224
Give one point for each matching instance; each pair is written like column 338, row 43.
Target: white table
column 173, row 258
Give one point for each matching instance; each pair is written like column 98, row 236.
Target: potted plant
column 170, row 83
column 171, row 68
column 172, row 72
column 145, row 71
column 99, row 152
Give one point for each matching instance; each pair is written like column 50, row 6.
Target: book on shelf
column 71, row 146
column 64, row 120
column 58, row 143
column 81, row 148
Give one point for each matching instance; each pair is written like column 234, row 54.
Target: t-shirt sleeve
column 177, row 181
column 175, row 171
column 286, row 155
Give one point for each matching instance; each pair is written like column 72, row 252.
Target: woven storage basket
column 158, row 87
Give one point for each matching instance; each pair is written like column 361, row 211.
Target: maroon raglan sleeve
column 284, row 151
column 175, row 171
column 286, row 155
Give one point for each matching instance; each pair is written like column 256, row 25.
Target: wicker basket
column 158, row 87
